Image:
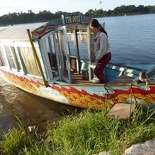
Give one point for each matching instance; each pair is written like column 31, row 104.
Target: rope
column 110, row 97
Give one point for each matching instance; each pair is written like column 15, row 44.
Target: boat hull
column 56, row 61
column 95, row 96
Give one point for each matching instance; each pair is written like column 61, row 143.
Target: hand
column 97, row 64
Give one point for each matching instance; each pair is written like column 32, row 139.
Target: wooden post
column 38, row 61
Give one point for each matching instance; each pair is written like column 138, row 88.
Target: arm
column 102, row 46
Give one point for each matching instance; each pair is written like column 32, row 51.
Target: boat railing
column 113, row 71
column 151, row 73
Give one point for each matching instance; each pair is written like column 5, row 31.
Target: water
column 132, row 38
column 30, row 109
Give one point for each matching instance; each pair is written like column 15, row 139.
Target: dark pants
column 98, row 71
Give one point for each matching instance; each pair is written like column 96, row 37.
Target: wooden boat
column 55, row 60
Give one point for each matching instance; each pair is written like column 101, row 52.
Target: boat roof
column 18, row 32
column 72, row 21
column 2, row 28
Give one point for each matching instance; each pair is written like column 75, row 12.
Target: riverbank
column 89, row 132
column 30, row 109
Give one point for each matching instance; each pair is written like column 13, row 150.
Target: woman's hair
column 95, row 23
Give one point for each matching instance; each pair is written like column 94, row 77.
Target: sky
column 10, row 6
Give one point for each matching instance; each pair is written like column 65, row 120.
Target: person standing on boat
column 102, row 49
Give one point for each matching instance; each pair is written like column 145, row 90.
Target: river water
column 30, row 109
column 132, row 38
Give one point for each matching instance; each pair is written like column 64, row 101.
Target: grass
column 14, row 140
column 90, row 132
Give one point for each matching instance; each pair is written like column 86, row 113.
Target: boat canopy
column 67, row 19
column 18, row 32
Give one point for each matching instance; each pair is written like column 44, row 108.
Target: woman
column 102, row 49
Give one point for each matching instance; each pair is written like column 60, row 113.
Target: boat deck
column 121, row 80
column 77, row 79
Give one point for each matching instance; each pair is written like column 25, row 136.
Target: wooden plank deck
column 121, row 80
column 77, row 79
column 121, row 111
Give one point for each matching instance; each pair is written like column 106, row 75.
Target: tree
column 90, row 13
column 29, row 17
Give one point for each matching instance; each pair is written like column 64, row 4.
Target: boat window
column 17, row 63
column 29, row 60
column 52, row 52
column 63, row 53
column 92, row 53
column 82, row 43
column 10, row 57
column 2, row 59
column 70, row 39
column 52, row 47
column 78, row 47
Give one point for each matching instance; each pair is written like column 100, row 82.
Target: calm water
column 132, row 38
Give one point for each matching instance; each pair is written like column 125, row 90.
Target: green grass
column 14, row 140
column 85, row 134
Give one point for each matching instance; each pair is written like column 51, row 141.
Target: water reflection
column 30, row 109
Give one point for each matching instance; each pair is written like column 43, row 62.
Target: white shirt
column 101, row 45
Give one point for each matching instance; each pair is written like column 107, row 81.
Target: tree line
column 31, row 17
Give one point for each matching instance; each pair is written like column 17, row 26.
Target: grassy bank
column 85, row 134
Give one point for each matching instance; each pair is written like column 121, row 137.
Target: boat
column 55, row 60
